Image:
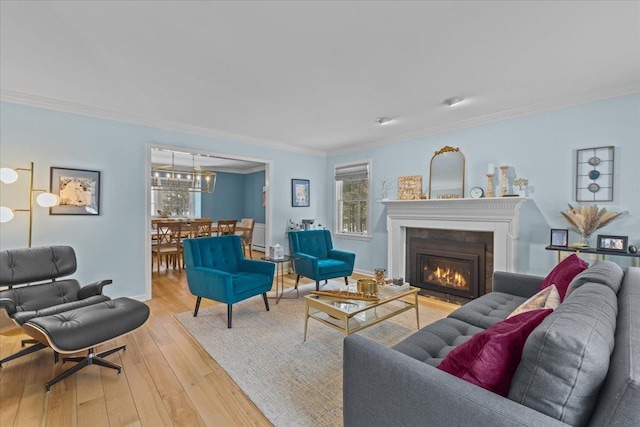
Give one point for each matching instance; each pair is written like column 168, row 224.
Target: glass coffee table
column 350, row 315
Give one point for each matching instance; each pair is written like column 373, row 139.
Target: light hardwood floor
column 167, row 378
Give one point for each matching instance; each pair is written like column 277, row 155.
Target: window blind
column 352, row 172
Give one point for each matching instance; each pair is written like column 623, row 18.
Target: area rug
column 294, row 383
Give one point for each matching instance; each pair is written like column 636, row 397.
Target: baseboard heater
column 259, row 233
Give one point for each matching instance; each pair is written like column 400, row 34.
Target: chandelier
column 170, row 178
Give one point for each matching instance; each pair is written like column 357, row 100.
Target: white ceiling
column 314, row 76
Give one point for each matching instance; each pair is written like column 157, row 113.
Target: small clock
column 476, row 192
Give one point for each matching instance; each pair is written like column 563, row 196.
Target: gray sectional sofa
column 580, row 366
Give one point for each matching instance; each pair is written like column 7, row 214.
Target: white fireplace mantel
column 502, row 216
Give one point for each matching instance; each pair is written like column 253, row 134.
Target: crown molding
column 102, row 113
column 513, row 113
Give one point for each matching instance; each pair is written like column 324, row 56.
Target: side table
column 597, row 252
column 279, row 279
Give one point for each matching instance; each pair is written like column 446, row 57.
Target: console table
column 594, row 251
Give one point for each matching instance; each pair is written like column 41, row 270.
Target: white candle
column 490, row 169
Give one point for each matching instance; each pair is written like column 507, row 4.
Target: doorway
column 239, row 187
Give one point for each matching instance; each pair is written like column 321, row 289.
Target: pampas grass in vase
column 587, row 219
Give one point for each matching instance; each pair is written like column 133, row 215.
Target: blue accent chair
column 317, row 259
column 217, row 270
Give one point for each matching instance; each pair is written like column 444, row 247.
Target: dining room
column 193, row 194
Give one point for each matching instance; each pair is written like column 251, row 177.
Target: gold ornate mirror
column 446, row 174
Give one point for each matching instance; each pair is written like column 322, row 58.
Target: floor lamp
column 46, row 199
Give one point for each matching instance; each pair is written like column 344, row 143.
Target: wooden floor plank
column 93, row 413
column 121, row 409
column 33, row 402
column 182, row 411
column 61, row 410
column 12, row 382
column 149, row 405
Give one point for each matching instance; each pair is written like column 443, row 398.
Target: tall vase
column 586, row 240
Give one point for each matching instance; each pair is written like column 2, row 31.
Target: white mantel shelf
column 499, row 215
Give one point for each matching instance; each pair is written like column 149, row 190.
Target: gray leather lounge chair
column 59, row 313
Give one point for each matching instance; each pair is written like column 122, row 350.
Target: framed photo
column 410, row 187
column 559, row 237
column 78, row 189
column 612, row 243
column 299, row 193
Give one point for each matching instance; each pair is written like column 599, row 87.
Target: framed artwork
column 299, row 193
column 78, row 189
column 594, row 174
column 612, row 243
column 559, row 237
column 410, row 187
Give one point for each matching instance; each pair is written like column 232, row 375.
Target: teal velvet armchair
column 316, row 257
column 217, row 270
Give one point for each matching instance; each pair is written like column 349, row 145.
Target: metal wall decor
column 594, row 174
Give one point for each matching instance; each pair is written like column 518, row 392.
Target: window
column 178, row 203
column 352, row 198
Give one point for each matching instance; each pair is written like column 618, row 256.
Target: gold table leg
column 417, row 313
column 306, row 320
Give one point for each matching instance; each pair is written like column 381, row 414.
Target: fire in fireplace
column 437, row 271
column 449, row 267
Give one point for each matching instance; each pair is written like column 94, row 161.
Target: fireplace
column 449, row 267
column 494, row 221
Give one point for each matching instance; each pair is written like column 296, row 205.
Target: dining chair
column 194, row 228
column 201, row 227
column 226, row 227
column 247, row 235
column 168, row 243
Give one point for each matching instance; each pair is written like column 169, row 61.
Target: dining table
column 189, row 228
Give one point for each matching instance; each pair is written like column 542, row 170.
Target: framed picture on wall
column 559, row 237
column 78, row 189
column 299, row 193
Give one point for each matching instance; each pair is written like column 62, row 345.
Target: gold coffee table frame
column 351, row 316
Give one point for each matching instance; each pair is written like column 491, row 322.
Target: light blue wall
column 112, row 245
column 227, row 202
column 237, row 196
column 540, row 147
column 253, row 183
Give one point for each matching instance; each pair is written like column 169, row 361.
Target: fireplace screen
column 447, row 272
column 447, row 267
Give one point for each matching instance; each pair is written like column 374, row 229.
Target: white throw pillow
column 546, row 298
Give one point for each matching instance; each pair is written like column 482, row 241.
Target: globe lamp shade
column 46, row 200
column 8, row 175
column 6, row 214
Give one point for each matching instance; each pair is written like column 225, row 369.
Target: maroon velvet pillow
column 490, row 358
column 563, row 274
